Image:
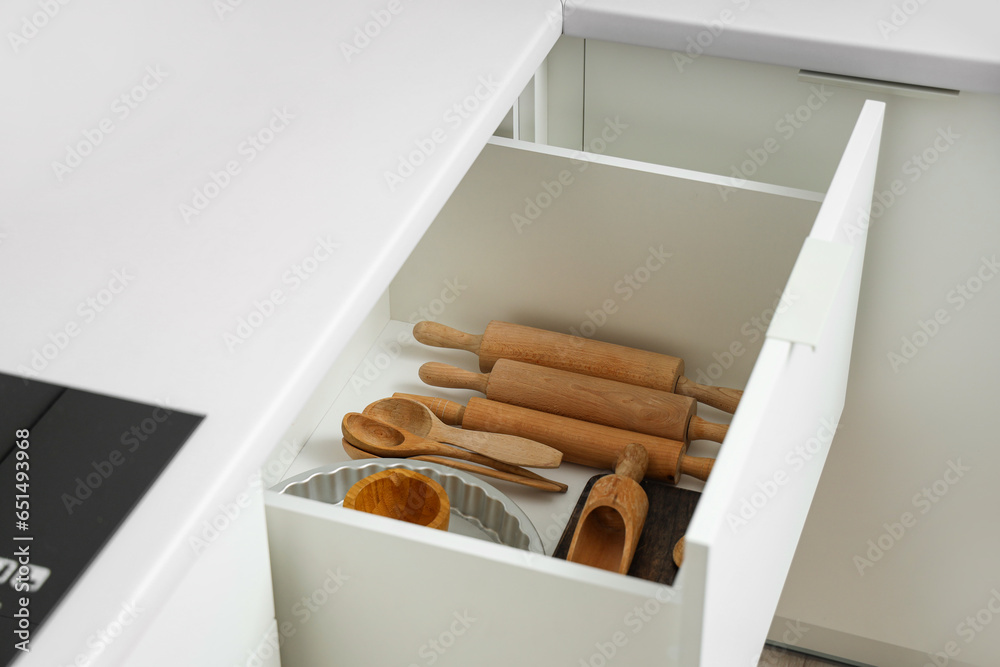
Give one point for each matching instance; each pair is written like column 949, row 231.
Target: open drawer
column 632, row 253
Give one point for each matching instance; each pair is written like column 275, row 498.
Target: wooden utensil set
column 552, row 397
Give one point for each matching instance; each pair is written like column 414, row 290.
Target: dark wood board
column 670, row 511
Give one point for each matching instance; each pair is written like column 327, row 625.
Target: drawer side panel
column 751, row 515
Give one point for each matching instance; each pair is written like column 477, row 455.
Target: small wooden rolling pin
column 503, row 340
column 583, row 397
column 580, row 442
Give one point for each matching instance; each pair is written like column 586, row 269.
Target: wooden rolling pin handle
column 720, row 398
column 438, row 335
column 697, row 467
column 632, row 462
column 679, row 552
column 437, row 374
column 699, row 429
column 449, row 412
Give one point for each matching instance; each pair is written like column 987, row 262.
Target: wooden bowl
column 404, row 495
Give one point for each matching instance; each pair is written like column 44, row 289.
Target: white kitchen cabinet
column 933, row 229
column 660, row 257
column 356, row 115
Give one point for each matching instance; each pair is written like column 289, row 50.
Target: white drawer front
column 746, row 527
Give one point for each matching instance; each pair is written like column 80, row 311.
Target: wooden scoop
column 383, row 440
column 613, row 516
column 418, row 419
column 583, row 397
column 580, row 442
column 503, row 340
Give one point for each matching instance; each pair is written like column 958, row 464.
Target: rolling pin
column 613, row 516
column 580, row 442
column 592, row 399
column 503, row 340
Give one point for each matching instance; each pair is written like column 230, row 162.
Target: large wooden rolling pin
column 580, row 442
column 583, row 397
column 503, row 340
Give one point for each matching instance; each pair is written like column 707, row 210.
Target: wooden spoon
column 612, row 518
column 525, row 477
column 376, row 437
column 418, row 419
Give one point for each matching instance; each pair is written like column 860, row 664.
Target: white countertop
column 952, row 45
column 168, row 93
column 329, row 129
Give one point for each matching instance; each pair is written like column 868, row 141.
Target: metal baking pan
column 477, row 509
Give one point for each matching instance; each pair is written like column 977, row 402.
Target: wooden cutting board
column 670, row 511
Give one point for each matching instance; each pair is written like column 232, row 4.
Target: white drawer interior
column 642, row 255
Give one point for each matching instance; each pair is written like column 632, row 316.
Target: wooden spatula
column 583, row 397
column 503, row 340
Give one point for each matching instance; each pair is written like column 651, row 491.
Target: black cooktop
column 73, row 465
